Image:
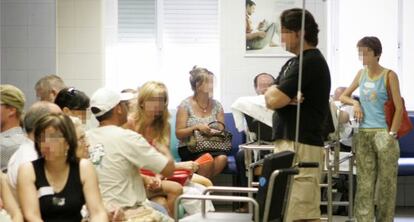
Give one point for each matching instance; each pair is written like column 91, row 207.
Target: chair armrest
column 216, row 198
column 257, row 146
column 222, row 189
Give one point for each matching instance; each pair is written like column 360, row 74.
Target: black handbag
column 217, row 142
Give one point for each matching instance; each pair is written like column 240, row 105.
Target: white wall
column 80, row 51
column 238, row 71
column 27, row 43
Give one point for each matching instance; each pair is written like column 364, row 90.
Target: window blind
column 190, row 21
column 137, row 20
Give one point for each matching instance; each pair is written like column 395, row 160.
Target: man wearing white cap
column 118, row 154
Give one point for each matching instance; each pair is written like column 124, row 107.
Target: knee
column 221, row 159
column 172, row 188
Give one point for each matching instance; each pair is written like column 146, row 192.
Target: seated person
column 346, row 121
column 11, row 133
column 261, row 82
column 195, row 113
column 56, row 186
column 8, row 203
column 27, row 151
column 151, row 121
column 118, row 154
column 73, row 102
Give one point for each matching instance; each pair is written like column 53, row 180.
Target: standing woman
column 195, row 113
column 54, row 187
column 377, row 149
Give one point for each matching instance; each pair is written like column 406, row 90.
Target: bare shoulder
column 86, row 168
column 26, row 171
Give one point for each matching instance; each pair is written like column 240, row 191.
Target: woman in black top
column 56, row 186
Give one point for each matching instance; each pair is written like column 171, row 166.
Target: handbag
column 217, row 142
column 389, row 109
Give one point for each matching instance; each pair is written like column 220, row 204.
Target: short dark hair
column 250, row 3
column 372, row 43
column 261, row 74
column 72, row 98
column 103, row 117
column 291, row 19
column 61, row 123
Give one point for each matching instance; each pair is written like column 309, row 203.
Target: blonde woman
column 151, row 121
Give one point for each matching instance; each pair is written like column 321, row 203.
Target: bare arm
column 10, row 204
column 27, row 193
column 168, row 169
column 181, row 129
column 275, row 98
column 91, row 192
column 347, row 99
column 220, row 116
column 396, row 97
column 254, row 35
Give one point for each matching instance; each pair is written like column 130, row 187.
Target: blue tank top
column 372, row 96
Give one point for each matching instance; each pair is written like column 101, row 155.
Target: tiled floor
column 402, row 214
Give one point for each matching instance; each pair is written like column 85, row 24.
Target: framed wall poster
column 262, row 27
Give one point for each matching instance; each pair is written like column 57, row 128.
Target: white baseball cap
column 105, row 99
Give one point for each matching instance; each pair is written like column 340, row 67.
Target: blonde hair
column 160, row 125
column 198, row 76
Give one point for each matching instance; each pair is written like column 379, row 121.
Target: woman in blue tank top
column 376, row 145
column 56, row 186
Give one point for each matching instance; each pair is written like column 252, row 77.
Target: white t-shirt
column 118, row 154
column 25, row 153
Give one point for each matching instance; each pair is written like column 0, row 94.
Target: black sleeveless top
column 64, row 206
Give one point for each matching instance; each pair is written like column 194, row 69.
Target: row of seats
column 406, row 161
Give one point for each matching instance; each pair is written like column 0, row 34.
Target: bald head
column 338, row 92
column 37, row 110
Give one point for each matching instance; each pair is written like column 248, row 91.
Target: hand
column 214, row 131
column 295, row 101
column 188, row 165
column 358, row 114
column 260, row 34
column 204, row 128
column 116, row 215
column 152, row 183
column 261, row 24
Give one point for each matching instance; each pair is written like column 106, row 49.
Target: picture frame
column 262, row 27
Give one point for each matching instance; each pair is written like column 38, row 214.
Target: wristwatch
column 393, row 134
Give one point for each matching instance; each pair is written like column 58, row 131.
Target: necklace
column 204, row 109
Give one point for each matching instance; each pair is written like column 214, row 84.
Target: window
column 137, row 20
column 162, row 40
